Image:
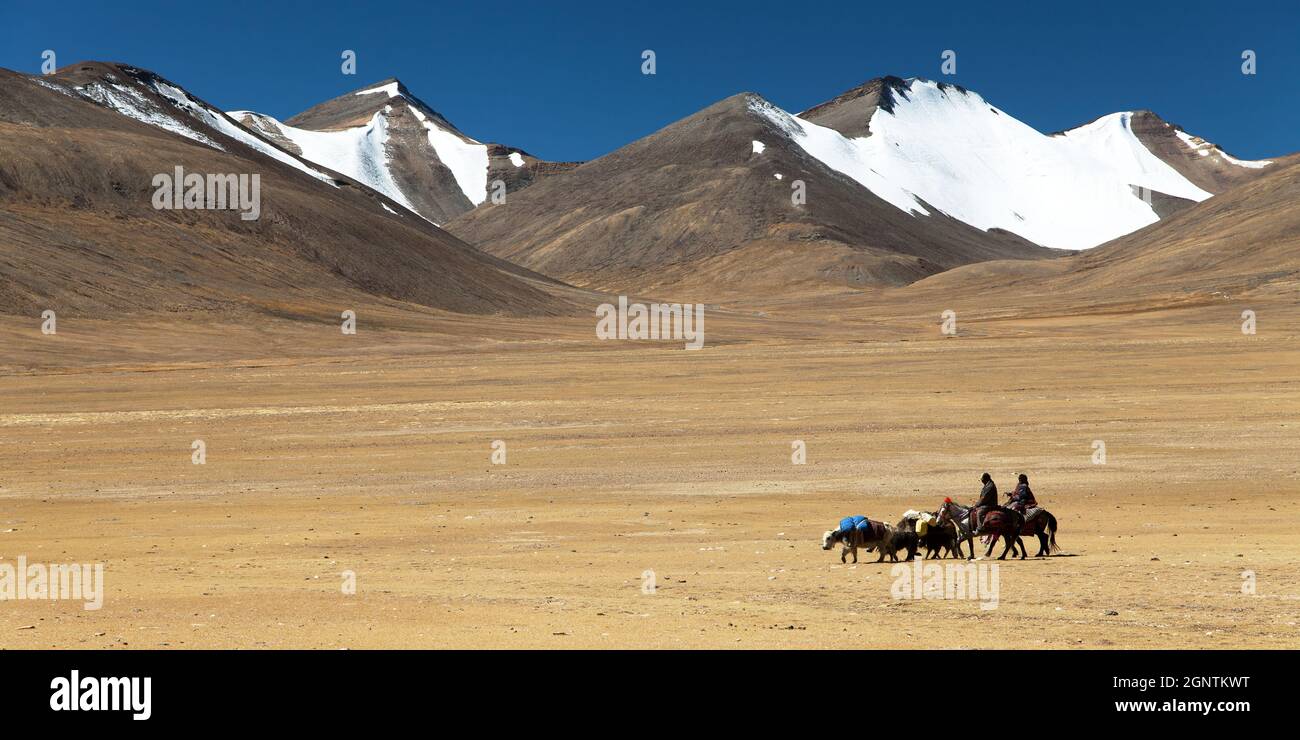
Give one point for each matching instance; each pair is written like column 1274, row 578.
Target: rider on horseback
column 987, row 502
column 1022, row 498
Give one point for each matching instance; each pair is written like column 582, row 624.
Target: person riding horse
column 1022, row 499
column 988, row 500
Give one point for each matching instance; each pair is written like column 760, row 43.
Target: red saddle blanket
column 1029, row 527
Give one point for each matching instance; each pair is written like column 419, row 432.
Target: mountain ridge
column 715, row 189
column 80, row 231
column 383, row 135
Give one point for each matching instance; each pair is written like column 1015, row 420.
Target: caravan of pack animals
column 943, row 532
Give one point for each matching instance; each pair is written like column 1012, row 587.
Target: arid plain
column 370, row 454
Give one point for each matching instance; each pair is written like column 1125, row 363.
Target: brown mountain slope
column 79, row 233
column 695, row 208
column 850, row 112
column 1200, row 161
column 1239, row 240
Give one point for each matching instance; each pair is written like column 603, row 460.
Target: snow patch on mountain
column 852, row 157
column 220, row 122
column 51, row 86
column 392, row 89
column 1196, row 143
column 360, row 152
column 1254, row 164
column 130, row 103
column 947, row 148
column 467, row 159
column 1206, row 148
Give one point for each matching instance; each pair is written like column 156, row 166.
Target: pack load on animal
column 860, row 532
column 922, row 520
column 850, row 523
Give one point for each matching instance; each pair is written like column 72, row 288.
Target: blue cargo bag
column 854, row 522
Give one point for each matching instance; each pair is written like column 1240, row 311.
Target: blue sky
column 562, row 78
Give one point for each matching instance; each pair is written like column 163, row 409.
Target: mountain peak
column 112, row 73
column 357, row 106
column 391, row 141
column 882, row 92
column 876, row 91
column 850, row 112
column 389, row 87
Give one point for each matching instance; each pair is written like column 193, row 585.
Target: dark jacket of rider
column 1022, row 495
column 989, row 495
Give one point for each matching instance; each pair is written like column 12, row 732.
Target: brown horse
column 1043, row 525
column 1003, row 523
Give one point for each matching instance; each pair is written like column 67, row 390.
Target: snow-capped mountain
column 924, row 146
column 383, row 136
column 149, row 98
column 380, row 136
column 1200, row 161
column 903, row 179
column 83, row 232
column 710, row 206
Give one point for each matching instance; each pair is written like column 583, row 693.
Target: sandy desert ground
column 371, row 454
